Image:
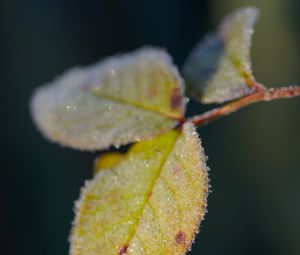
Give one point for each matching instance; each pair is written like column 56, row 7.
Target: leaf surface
column 119, row 100
column 152, row 202
column 219, row 68
column 107, row 160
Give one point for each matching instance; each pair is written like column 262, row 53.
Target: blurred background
column 253, row 154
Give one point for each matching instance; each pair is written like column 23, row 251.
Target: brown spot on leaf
column 176, row 99
column 180, row 238
column 87, row 207
column 176, row 170
column 123, row 249
column 150, row 194
column 152, row 92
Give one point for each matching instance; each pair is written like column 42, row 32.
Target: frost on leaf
column 151, row 202
column 119, row 100
column 219, row 68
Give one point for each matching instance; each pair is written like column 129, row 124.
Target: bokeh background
column 253, row 154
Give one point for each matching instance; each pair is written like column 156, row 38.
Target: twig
column 261, row 95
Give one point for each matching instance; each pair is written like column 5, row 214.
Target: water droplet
column 71, row 107
column 186, row 100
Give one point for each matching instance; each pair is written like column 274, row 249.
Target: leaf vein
column 137, row 105
column 152, row 185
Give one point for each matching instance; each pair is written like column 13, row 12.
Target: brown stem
column 258, row 96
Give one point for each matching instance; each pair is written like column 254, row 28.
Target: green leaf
column 107, row 160
column 219, row 68
column 151, row 202
column 119, row 100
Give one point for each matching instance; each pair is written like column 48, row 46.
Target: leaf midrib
column 150, row 189
column 138, row 105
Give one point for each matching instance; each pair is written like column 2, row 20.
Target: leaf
column 117, row 101
column 152, row 202
column 107, row 160
column 219, row 68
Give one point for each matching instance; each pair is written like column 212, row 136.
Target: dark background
column 253, row 155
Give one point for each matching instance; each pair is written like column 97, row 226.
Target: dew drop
column 186, row 100
column 112, row 71
column 70, row 107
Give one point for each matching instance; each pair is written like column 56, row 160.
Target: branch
column 261, row 95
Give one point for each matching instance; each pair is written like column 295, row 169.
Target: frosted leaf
column 151, row 202
column 119, row 100
column 219, row 68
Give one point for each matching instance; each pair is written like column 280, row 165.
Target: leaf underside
column 219, row 68
column 117, row 101
column 151, row 202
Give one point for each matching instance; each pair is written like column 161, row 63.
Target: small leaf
column 107, row 160
column 152, row 202
column 117, row 101
column 219, row 68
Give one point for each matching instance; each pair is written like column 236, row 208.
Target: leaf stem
column 261, row 95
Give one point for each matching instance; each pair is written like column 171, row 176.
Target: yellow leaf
column 152, row 202
column 107, row 160
column 120, row 100
column 219, row 68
